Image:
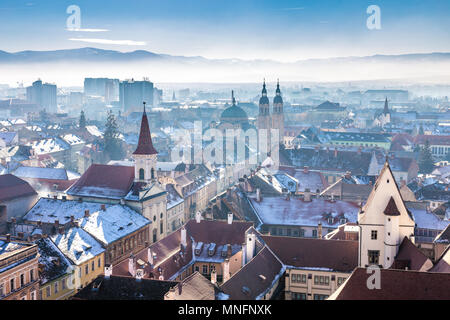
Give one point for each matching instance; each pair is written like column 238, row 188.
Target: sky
column 283, row 30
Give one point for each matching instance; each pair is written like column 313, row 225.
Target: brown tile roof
column 411, row 257
column 391, row 208
column 218, row 232
column 432, row 139
column 145, row 144
column 194, row 287
column 396, row 285
column 124, row 288
column 12, row 187
column 443, row 263
column 104, row 181
column 255, row 278
column 339, row 255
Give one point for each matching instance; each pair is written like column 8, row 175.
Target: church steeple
column 145, row 144
column 386, row 107
column 145, row 156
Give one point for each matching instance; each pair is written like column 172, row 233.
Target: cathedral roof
column 264, row 99
column 277, row 99
column 234, row 113
column 145, row 144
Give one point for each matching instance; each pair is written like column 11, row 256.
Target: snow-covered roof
column 77, row 245
column 49, row 146
column 427, row 220
column 8, row 137
column 72, row 139
column 279, row 211
column 114, row 223
column 93, row 130
column 41, row 173
column 52, row 259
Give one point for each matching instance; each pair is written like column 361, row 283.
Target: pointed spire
column 144, row 105
column 233, row 100
column 386, row 107
column 264, row 90
column 145, row 144
column 278, row 91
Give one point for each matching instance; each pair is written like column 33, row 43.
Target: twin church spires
column 276, row 119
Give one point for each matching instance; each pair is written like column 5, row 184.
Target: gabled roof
column 104, row 181
column 409, row 256
column 12, row 187
column 256, row 278
column 194, row 287
column 304, row 253
column 443, row 263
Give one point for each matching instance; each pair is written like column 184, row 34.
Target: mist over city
column 258, row 151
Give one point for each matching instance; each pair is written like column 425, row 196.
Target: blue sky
column 284, row 30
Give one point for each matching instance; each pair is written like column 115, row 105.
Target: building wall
column 83, row 278
column 311, row 284
column 61, row 288
column 130, row 244
column 175, row 217
column 29, row 289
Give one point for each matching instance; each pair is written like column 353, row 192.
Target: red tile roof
column 218, row 232
column 145, row 144
column 104, row 181
column 411, row 257
column 432, row 139
column 339, row 255
column 391, row 208
column 12, row 187
column 396, row 285
column 255, row 278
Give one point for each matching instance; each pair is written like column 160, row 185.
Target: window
column 298, row 278
column 374, row 256
column 56, row 287
column 93, row 265
column 298, row 296
column 22, row 280
column 99, row 262
column 2, row 290
column 153, row 173
column 31, row 275
column 63, row 284
column 141, row 174
column 11, row 284
column 196, row 268
column 374, row 234
column 320, row 296
column 86, row 269
column 322, row 280
column 47, row 291
column 33, row 295
column 340, row 281
column 161, row 228
column 314, row 233
column 205, row 269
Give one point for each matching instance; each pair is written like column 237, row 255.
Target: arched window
column 153, row 173
column 141, row 174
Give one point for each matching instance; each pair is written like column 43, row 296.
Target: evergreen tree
column 112, row 143
column 82, row 121
column 426, row 163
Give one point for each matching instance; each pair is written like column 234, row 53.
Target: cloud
column 108, row 41
column 87, row 30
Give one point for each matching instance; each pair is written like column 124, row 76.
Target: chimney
column 55, row 197
column 229, row 250
column 229, row 193
column 103, row 207
column 131, row 266
column 39, row 223
column 249, row 247
column 56, row 225
column 86, row 213
column 226, row 270
column 403, row 183
column 332, row 197
column 139, row 274
column 108, row 271
column 198, row 217
column 258, row 194
column 61, row 230
column 72, row 219
column 319, row 230
column 13, row 220
column 214, row 276
column 230, row 218
column 305, row 169
column 307, row 195
column 8, row 237
column 149, row 255
column 348, row 175
column 183, row 237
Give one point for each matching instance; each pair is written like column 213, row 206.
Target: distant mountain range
column 69, row 67
column 99, row 55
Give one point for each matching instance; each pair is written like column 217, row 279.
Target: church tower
column 264, row 120
column 278, row 114
column 145, row 156
column 384, row 222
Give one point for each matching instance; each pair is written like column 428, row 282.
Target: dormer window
column 141, row 174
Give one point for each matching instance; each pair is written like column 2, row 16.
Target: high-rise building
column 133, row 93
column 43, row 94
column 103, row 87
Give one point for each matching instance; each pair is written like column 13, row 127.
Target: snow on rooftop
column 41, row 173
column 427, row 220
column 114, row 223
column 77, row 245
column 72, row 139
column 93, row 130
column 50, row 145
column 279, row 211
